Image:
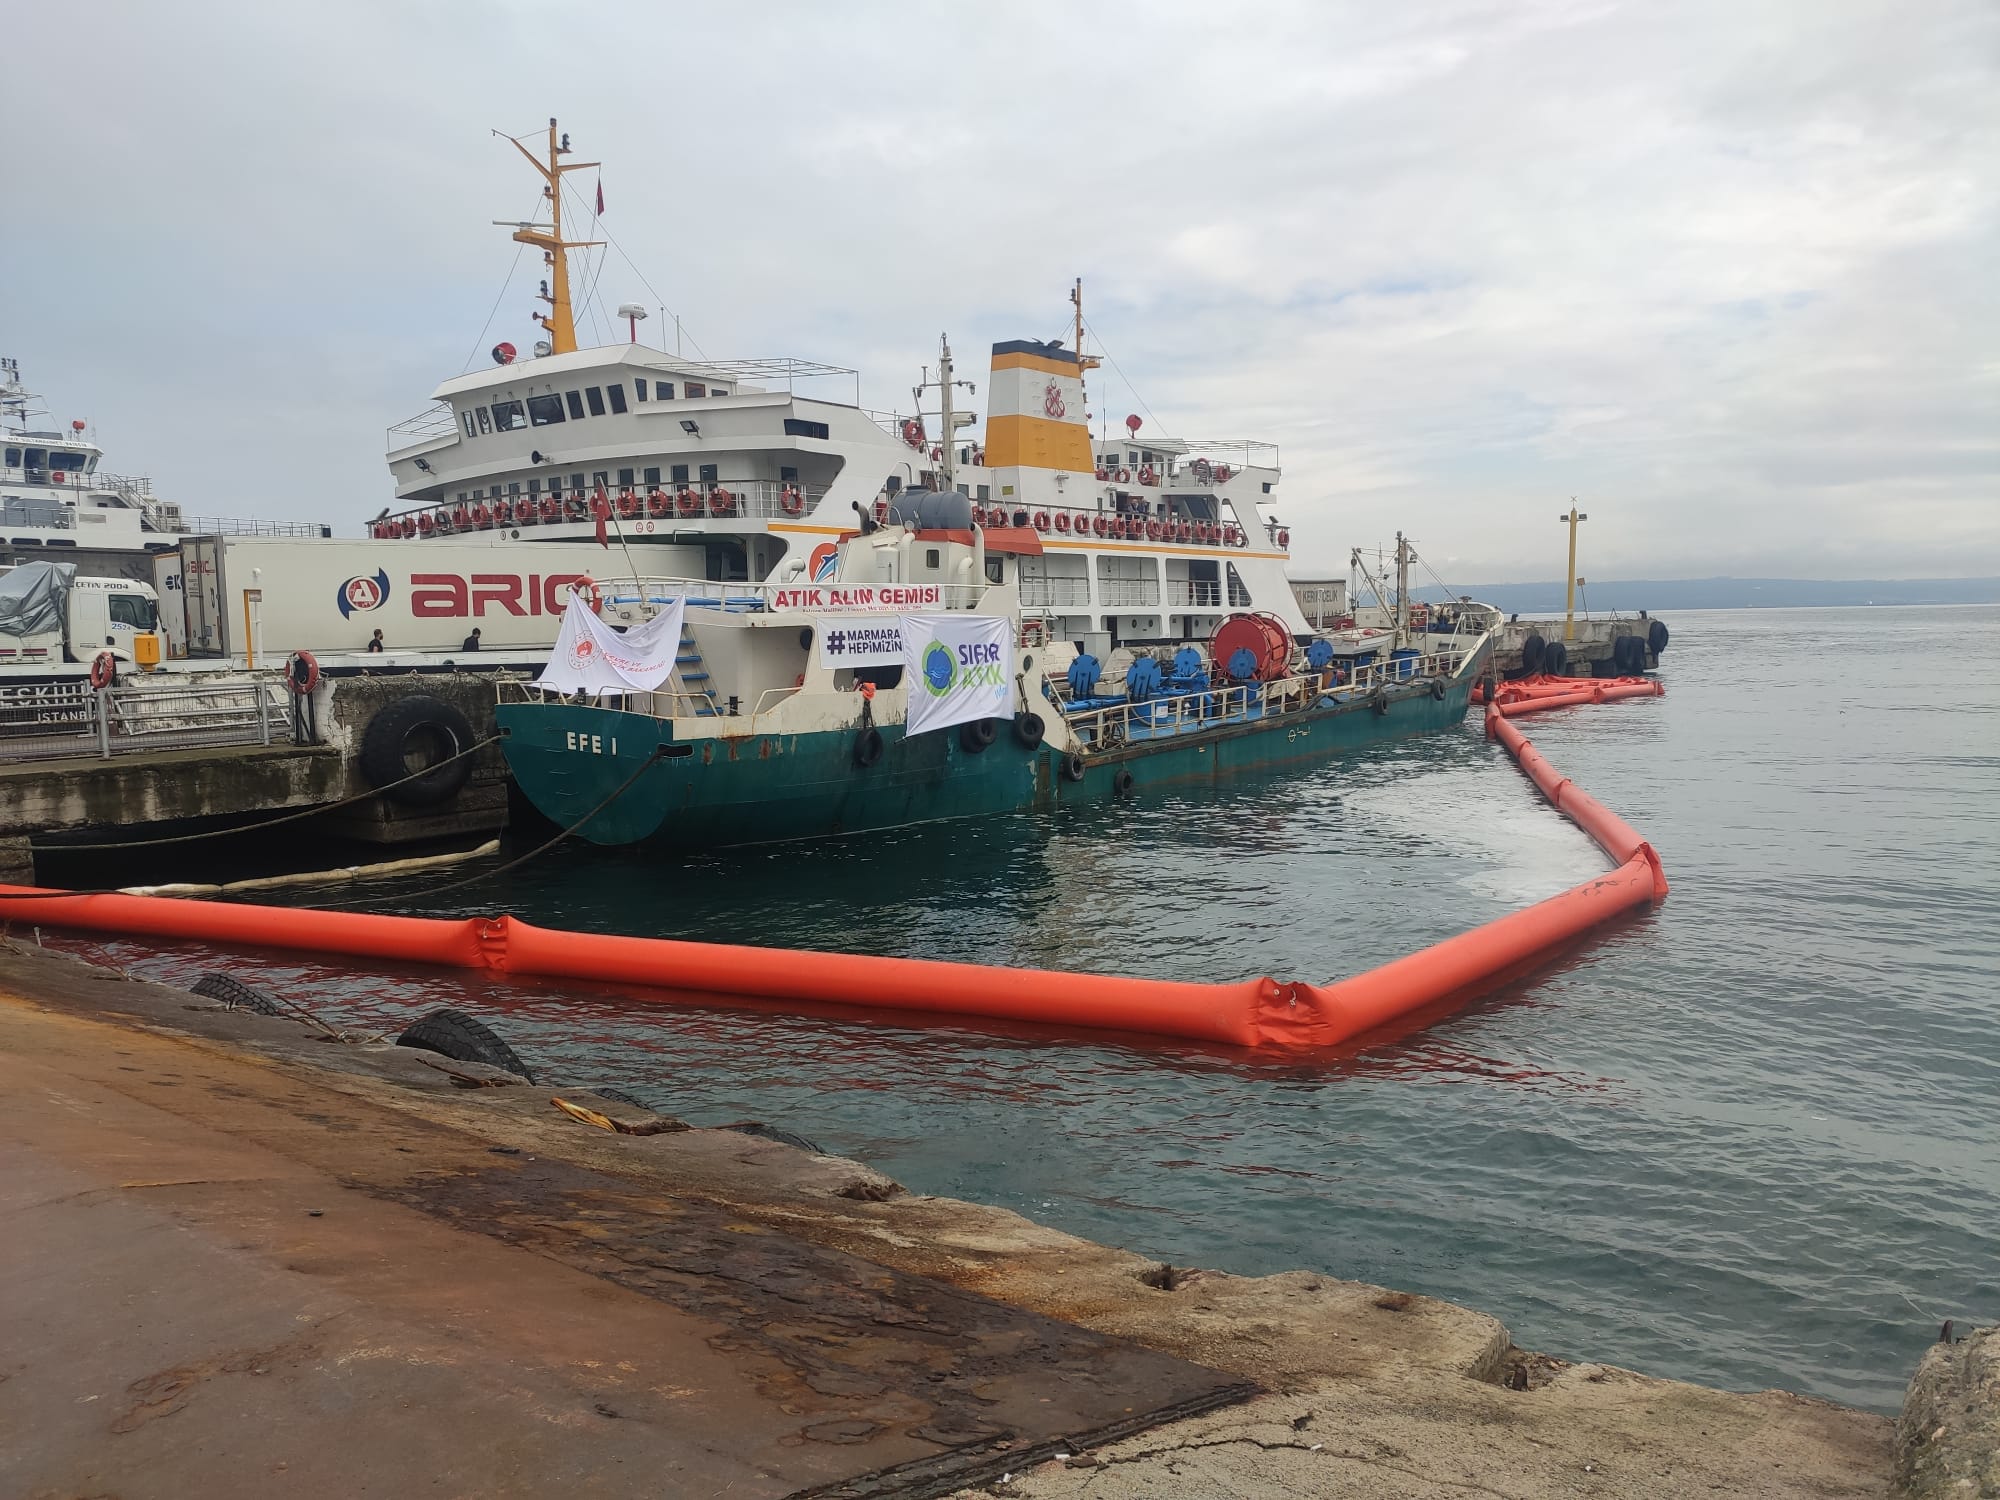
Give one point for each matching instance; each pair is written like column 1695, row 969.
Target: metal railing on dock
column 78, row 721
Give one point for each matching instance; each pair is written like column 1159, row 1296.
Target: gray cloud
column 1723, row 272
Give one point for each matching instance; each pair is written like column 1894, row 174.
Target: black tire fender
column 868, row 747
column 1555, row 660
column 1534, row 650
column 1438, row 688
column 236, row 995
column 1657, row 636
column 1029, row 730
column 387, row 741
column 1071, row 767
column 462, row 1038
column 1121, row 783
column 1378, row 702
column 976, row 734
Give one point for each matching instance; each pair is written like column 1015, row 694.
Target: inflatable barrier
column 1533, row 695
column 1261, row 1012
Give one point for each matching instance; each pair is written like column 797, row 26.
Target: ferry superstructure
column 750, row 470
column 58, row 504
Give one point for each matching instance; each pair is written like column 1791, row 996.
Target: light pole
column 1569, row 605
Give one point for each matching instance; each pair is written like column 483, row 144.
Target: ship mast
column 559, row 320
column 1083, row 361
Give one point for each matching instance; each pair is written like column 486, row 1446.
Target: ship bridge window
column 696, row 389
column 794, row 427
column 639, row 389
column 708, row 473
column 507, row 415
column 485, row 421
column 595, row 398
column 13, row 458
column 996, row 569
column 465, row 421
column 663, row 390
column 66, row 463
column 135, row 610
column 718, row 391
column 625, row 479
column 574, row 401
column 653, row 478
column 544, row 411
column 678, row 474
column 617, row 395
column 787, row 474
column 576, row 484
column 1239, row 596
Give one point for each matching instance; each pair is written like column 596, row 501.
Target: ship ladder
column 695, row 681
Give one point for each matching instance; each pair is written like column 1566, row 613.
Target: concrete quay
column 1590, row 648
column 50, row 802
column 245, row 1256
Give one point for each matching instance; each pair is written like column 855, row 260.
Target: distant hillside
column 1735, row 593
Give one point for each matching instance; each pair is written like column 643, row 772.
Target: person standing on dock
column 471, row 642
column 375, row 641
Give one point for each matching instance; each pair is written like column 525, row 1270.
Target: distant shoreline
column 1628, row 595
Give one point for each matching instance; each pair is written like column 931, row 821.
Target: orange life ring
column 688, row 502
column 721, row 502
column 592, row 595
column 1103, row 473
column 1124, row 476
column 551, row 508
column 1152, row 531
column 425, row 524
column 524, row 513
column 913, row 433
column 1222, row 473
column 1146, row 475
column 628, row 505
column 658, row 506
column 790, row 501
column 937, row 453
column 1100, row 524
column 1041, row 520
column 1284, row 539
column 301, row 673
column 103, row 670
column 482, row 517
column 1062, row 521
column 1184, row 531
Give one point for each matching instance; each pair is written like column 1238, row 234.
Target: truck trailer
column 253, row 599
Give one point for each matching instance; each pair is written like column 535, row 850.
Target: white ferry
column 751, row 470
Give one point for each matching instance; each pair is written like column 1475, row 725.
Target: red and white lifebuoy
column 551, row 508
column 1062, row 522
column 587, row 589
column 659, row 505
column 688, row 503
column 1041, row 520
column 1101, row 525
column 1222, row 473
column 301, row 673
column 1285, row 539
column 628, row 505
column 1146, row 475
column 103, row 670
column 721, row 502
column 425, row 524
column 1184, row 531
column 1152, row 531
column 1124, row 476
column 1102, row 472
column 913, row 433
column 790, row 500
column 524, row 513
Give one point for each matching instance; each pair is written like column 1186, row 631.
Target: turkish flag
column 600, row 507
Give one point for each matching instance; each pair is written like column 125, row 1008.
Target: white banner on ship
column 859, row 640
column 590, row 656
column 958, row 668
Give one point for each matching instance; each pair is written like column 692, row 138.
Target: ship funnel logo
column 362, row 593
column 940, row 669
column 1052, row 401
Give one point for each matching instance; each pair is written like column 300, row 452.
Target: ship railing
column 73, row 719
column 1121, row 592
column 249, row 526
column 715, row 502
column 432, row 421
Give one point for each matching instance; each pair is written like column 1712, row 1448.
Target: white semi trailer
column 244, row 599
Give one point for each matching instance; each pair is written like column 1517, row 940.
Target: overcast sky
column 1728, row 273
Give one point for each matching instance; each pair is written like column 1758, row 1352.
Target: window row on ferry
column 39, row 463
column 575, row 406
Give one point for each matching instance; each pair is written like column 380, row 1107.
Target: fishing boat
column 913, row 684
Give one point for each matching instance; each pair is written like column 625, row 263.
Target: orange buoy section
column 1260, row 1012
column 1533, row 695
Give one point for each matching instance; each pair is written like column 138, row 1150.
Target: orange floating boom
column 1260, row 1012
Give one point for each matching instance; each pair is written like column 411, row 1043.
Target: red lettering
column 503, row 589
column 550, row 602
column 435, row 596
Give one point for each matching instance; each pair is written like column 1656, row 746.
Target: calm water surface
column 1750, row 1139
